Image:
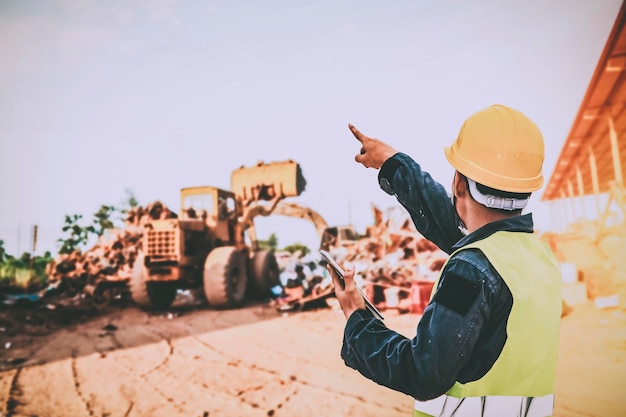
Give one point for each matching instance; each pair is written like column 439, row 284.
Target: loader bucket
column 267, row 181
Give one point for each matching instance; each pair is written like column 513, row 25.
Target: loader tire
column 150, row 295
column 102, row 296
column 265, row 273
column 225, row 277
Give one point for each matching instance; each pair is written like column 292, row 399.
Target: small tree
column 77, row 235
column 102, row 220
column 129, row 203
column 298, row 247
column 270, row 244
column 273, row 241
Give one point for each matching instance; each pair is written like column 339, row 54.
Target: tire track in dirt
column 77, row 387
column 15, row 394
column 236, row 362
column 270, row 412
column 144, row 376
column 293, row 393
column 130, row 408
column 278, row 406
column 164, row 362
column 292, row 378
column 233, row 361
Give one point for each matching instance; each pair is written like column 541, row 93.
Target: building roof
column 605, row 96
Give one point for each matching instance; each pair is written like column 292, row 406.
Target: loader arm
column 305, row 213
column 258, row 209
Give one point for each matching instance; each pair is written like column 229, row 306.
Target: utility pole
column 34, row 239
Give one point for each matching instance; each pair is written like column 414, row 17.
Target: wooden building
column 586, row 187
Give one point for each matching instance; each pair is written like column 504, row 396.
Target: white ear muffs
column 496, row 202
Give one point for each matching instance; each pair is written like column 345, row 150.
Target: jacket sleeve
column 427, row 365
column 426, row 200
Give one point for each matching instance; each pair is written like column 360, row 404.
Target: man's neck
column 482, row 216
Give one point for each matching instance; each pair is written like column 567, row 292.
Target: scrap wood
column 113, row 255
column 299, row 301
column 392, row 255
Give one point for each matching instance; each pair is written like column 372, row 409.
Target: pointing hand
column 373, row 151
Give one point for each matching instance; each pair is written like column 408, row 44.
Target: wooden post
column 617, row 166
column 34, row 239
column 594, row 180
column 581, row 191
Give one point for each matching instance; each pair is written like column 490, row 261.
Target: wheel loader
column 211, row 247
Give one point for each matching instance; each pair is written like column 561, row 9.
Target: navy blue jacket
column 463, row 329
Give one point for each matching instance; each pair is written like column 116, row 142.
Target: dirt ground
column 193, row 361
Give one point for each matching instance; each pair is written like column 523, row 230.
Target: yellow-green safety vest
column 521, row 381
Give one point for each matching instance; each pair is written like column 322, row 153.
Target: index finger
column 357, row 134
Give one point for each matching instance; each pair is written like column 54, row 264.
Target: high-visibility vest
column 521, row 381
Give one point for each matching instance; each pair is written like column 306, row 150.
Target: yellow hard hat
column 501, row 148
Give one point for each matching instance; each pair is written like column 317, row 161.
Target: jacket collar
column 523, row 223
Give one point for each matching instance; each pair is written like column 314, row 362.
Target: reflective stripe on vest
column 492, row 406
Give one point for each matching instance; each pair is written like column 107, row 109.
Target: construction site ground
column 255, row 361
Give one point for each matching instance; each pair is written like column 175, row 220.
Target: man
column 487, row 343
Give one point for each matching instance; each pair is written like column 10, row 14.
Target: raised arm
column 426, row 200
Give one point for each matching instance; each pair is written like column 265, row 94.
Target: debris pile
column 109, row 261
column 396, row 266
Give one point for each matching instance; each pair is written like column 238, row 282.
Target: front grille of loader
column 162, row 244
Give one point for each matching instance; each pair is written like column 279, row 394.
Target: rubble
column 103, row 271
column 395, row 265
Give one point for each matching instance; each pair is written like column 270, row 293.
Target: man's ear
column 460, row 185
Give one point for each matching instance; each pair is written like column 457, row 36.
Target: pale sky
column 155, row 95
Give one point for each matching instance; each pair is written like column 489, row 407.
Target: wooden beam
column 581, row 191
column 564, row 209
column 595, row 184
column 617, row 165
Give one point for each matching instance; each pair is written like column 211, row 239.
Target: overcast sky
column 154, row 95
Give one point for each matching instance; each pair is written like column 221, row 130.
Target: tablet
column 370, row 306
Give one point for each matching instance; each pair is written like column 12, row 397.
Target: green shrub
column 24, row 272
